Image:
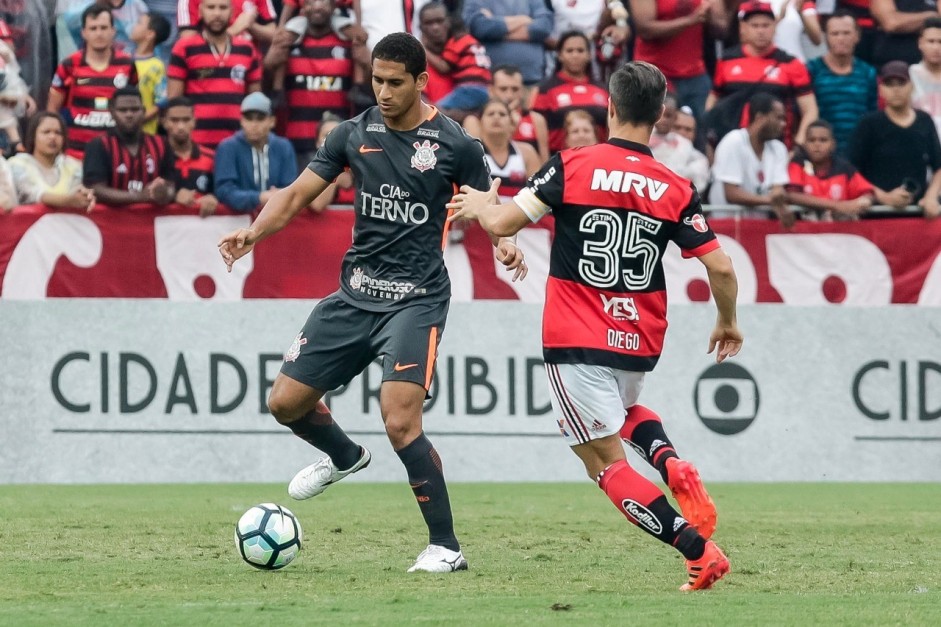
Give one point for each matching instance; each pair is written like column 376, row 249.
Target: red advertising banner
column 172, row 254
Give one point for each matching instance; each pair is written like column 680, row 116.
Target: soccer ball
column 268, row 536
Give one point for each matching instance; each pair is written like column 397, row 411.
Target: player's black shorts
column 339, row 341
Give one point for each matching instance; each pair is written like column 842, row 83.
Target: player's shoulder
column 442, row 127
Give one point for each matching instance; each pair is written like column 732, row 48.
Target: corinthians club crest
column 424, row 157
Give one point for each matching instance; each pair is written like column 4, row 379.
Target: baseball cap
column 256, row 101
column 754, row 7
column 894, row 69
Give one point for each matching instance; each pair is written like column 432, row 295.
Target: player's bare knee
column 283, row 410
column 402, row 429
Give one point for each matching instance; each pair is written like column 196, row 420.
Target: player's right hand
column 728, row 339
column 236, row 245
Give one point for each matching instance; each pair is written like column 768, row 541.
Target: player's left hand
column 728, row 339
column 511, row 256
column 931, row 207
column 469, row 202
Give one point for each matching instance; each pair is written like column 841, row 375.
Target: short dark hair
column 637, row 91
column 507, row 68
column 161, row 27
column 402, row 48
column 840, row 13
column 179, row 101
column 931, row 22
column 821, row 123
column 434, row 4
column 761, row 103
column 33, row 127
column 130, row 90
column 93, row 11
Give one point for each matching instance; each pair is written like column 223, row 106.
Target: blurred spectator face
column 50, row 138
column 771, row 125
column 666, row 122
column 98, row 32
column 324, row 130
column 256, row 126
column 434, row 25
column 318, row 12
column 495, row 119
column 842, row 35
column 819, row 144
column 215, row 15
column 141, row 28
column 394, row 87
column 930, row 46
column 758, row 32
column 128, row 114
column 685, row 124
column 579, row 131
column 896, row 92
column 574, row 56
column 179, row 123
column 508, row 88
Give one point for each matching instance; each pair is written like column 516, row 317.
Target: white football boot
column 314, row 479
column 438, row 559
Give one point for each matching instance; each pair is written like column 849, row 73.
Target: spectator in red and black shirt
column 458, row 57
column 85, row 81
column 192, row 163
column 757, row 65
column 571, row 88
column 317, row 74
column 253, row 18
column 127, row 166
column 215, row 71
column 824, row 182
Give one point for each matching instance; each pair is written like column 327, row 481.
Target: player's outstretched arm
column 724, row 285
column 499, row 220
column 278, row 211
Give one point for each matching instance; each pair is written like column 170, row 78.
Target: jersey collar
column 629, row 145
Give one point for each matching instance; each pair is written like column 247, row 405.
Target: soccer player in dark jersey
column 406, row 159
column 616, row 208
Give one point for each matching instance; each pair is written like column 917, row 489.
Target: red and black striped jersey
column 216, row 82
column 860, row 10
column 841, row 182
column 468, row 59
column 195, row 171
column 317, row 78
column 526, row 131
column 616, row 208
column 187, row 13
column 775, row 72
column 560, row 94
column 87, row 93
column 107, row 160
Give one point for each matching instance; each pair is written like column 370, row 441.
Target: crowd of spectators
column 789, row 109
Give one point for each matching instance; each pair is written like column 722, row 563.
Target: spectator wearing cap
column 255, row 163
column 675, row 151
column 893, row 148
column 670, row 35
column 899, row 22
column 758, row 66
column 845, row 86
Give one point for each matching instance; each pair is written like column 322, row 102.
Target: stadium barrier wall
column 105, row 390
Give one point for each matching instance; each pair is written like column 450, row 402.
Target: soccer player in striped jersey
column 216, row 71
column 85, row 81
column 406, row 159
column 616, row 208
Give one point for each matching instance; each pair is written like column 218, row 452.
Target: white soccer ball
column 268, row 536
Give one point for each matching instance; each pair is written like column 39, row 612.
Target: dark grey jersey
column 403, row 181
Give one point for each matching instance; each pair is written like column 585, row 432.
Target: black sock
column 318, row 429
column 690, row 543
column 650, row 438
column 426, row 479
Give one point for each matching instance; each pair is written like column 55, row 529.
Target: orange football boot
column 695, row 504
column 708, row 569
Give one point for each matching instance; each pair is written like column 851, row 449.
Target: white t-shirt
column 736, row 163
column 789, row 33
column 926, row 92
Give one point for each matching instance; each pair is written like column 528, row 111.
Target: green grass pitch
column 545, row 554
